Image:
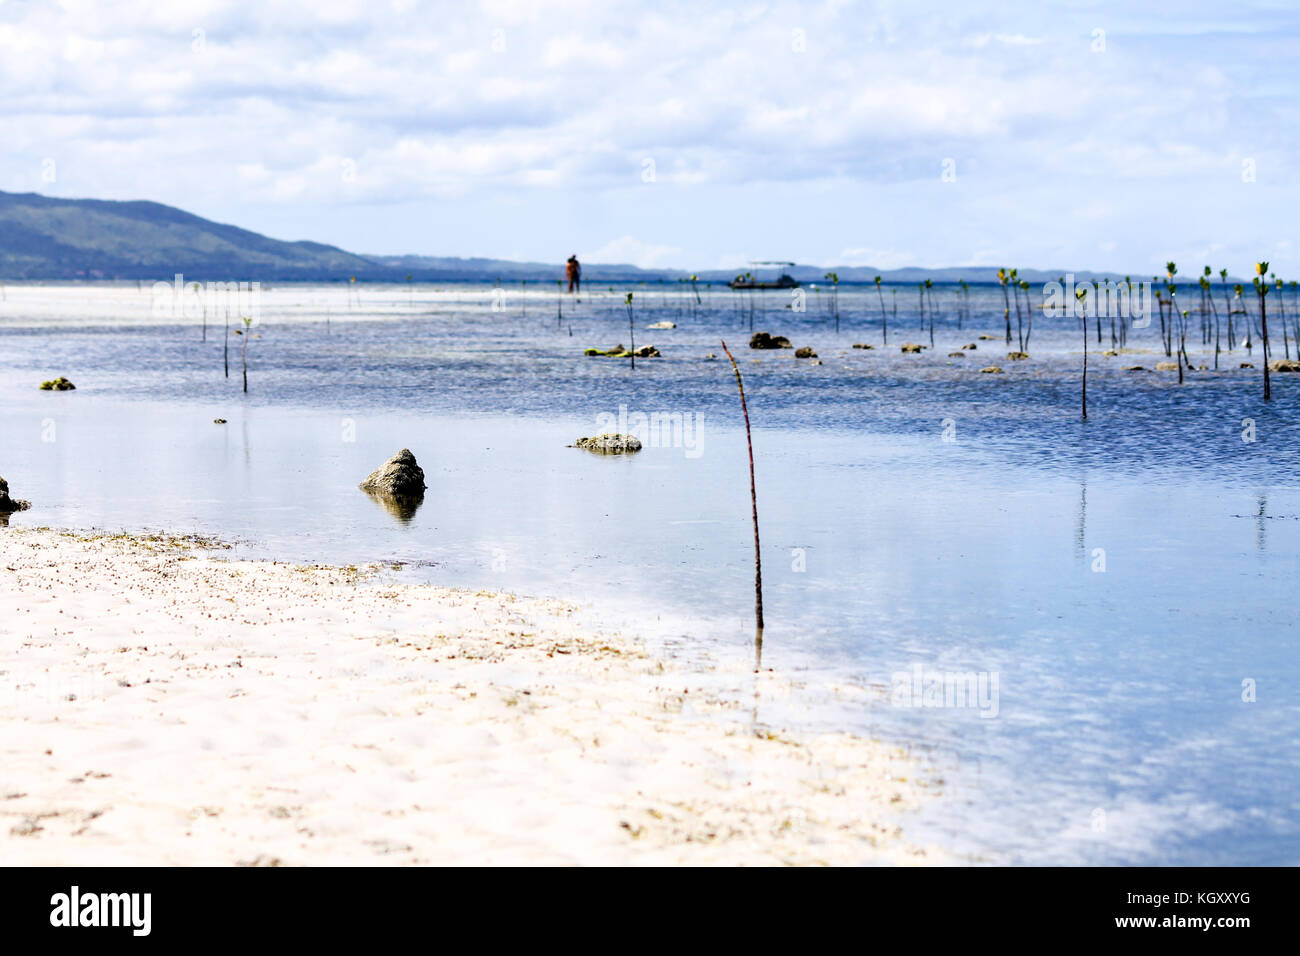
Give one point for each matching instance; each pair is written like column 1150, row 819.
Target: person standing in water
column 573, row 270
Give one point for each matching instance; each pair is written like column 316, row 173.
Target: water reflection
column 1081, row 529
column 401, row 507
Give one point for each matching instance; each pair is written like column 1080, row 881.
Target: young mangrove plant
column 204, row 304
column 753, row 502
column 930, row 296
column 1123, row 325
column 834, row 279
column 1261, row 289
column 1082, row 295
column 1003, row 279
column 243, row 347
column 1182, row 345
column 1171, row 270
column 1214, row 309
column 884, row 323
column 1014, row 277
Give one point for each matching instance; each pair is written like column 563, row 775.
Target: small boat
column 749, row 281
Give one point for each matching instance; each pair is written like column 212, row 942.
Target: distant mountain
column 42, row 237
column 48, row 238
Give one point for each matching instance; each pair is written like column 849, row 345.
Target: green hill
column 49, row 238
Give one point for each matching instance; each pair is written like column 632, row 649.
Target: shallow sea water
column 914, row 513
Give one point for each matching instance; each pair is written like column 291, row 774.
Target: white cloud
column 430, row 107
column 880, row 258
column 629, row 250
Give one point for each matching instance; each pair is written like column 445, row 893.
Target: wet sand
column 162, row 705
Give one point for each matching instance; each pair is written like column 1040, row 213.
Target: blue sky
column 809, row 131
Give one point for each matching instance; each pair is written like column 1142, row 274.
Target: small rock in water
column 987, row 338
column 972, row 346
column 618, row 351
column 610, row 444
column 400, row 476
column 1017, row 356
column 218, row 421
column 710, row 357
column 1285, row 365
column 8, row 504
column 956, row 355
column 662, row 325
column 1134, row 368
column 764, row 340
column 1110, row 353
column 911, row 348
column 862, row 345
column 59, row 384
column 991, row 370
column 1166, row 366
column 805, row 352
column 1245, row 365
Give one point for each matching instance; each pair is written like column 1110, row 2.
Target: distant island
column 44, row 237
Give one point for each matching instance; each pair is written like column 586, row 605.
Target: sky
column 1099, row 135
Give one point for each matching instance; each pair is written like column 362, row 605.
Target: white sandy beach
column 162, row 705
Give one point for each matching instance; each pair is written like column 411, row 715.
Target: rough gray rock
column 765, row 340
column 7, row 504
column 400, row 476
column 610, row 444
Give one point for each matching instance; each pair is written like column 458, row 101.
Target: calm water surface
column 914, row 513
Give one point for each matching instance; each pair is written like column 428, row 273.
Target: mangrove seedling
column 884, row 323
column 1082, row 296
column 243, row 348
column 834, row 279
column 1003, row 279
column 203, row 303
column 1261, row 288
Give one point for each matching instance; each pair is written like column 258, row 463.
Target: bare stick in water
column 631, row 329
column 753, row 500
column 1082, row 296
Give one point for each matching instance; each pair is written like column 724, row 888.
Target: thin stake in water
column 753, row 500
